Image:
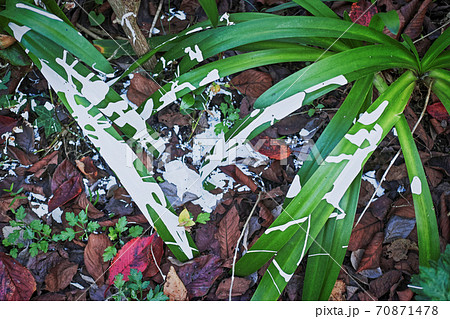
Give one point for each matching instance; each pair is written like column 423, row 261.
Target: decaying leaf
column 174, row 287
column 185, row 220
column 228, row 233
column 363, row 232
column 398, row 249
column 87, row 167
column 438, row 111
column 234, row 172
column 252, row 83
column 240, row 286
column 372, row 254
column 381, row 285
column 338, row 292
column 93, row 256
column 141, row 88
column 362, row 12
column 60, row 276
column 272, row 148
column 16, row 281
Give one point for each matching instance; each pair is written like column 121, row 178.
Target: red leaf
column 363, row 232
column 64, row 172
column 93, row 256
column 87, row 167
column 16, row 281
column 228, row 233
column 438, row 111
column 6, row 124
column 272, row 148
column 252, row 83
column 67, row 191
column 137, row 254
column 358, row 15
column 60, row 276
column 234, row 172
column 371, row 258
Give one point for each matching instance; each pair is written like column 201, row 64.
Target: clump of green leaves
column 80, row 220
column 313, row 110
column 35, row 232
column 116, row 232
column 433, row 283
column 94, row 18
column 230, row 115
column 136, row 289
column 5, row 80
column 46, row 119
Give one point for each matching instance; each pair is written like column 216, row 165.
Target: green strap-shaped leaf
column 89, row 99
column 335, row 174
column 27, row 17
column 439, row 45
column 441, row 89
column 442, row 61
column 317, row 8
column 427, row 229
column 210, row 8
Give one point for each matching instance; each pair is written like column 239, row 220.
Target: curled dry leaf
column 364, row 231
column 372, row 254
column 16, row 281
column 405, row 295
column 271, row 147
column 6, row 41
column 93, row 257
column 60, row 276
column 39, row 167
column 87, row 167
column 228, row 233
column 139, row 253
column 174, row 287
column 240, row 286
column 252, row 83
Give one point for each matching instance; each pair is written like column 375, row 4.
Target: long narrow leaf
column 210, row 8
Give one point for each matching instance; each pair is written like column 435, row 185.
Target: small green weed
column 230, row 115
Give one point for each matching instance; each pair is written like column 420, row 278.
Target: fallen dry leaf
column 444, row 219
column 16, row 281
column 405, row 295
column 141, row 88
column 414, row 28
column 338, row 292
column 398, row 249
column 372, row 254
column 358, row 12
column 93, row 257
column 240, row 178
column 438, row 111
column 60, row 276
column 252, row 83
column 271, row 147
column 364, row 231
column 171, row 119
column 228, row 233
column 381, row 285
column 40, row 167
column 6, row 41
column 199, row 274
column 240, row 286
column 265, row 214
column 87, row 167
column 174, row 287
column 6, row 124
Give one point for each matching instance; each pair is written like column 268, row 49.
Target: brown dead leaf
column 397, row 173
column 434, row 176
column 382, row 284
column 5, row 205
column 444, row 219
column 228, row 233
column 265, row 214
column 240, row 178
column 6, row 41
column 372, row 254
column 40, row 167
column 87, row 167
column 174, row 287
column 170, row 119
column 381, row 206
column 23, row 157
column 405, row 295
column 83, row 202
column 338, row 292
column 364, row 231
column 240, row 286
column 366, row 296
column 398, row 249
column 412, row 119
column 404, row 207
column 252, row 83
column 141, row 88
column 93, row 257
column 16, row 281
column 59, row 277
column 415, row 27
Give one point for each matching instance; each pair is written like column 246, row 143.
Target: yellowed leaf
column 174, row 287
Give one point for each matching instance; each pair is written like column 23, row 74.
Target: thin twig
column 88, row 32
column 237, row 244
column 395, row 157
column 155, row 19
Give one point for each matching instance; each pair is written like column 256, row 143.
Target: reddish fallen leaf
column 205, row 240
column 64, row 172
column 371, row 257
column 23, row 157
column 438, row 111
column 228, row 233
column 265, row 214
column 60, row 276
column 444, row 219
column 39, row 167
column 412, row 119
column 252, row 83
column 404, row 207
column 139, row 253
column 415, row 27
column 272, row 148
column 382, row 284
column 83, row 203
column 66, row 192
column 199, row 274
column 93, row 257
column 240, row 286
column 234, row 172
column 364, row 231
column 405, row 295
column 6, row 124
column 87, row 167
column 174, row 287
column 16, row 281
column 141, row 88
column 358, row 13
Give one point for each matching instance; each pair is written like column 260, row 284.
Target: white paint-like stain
column 18, row 30
column 283, row 274
column 318, row 254
column 369, row 118
column 273, row 280
column 340, row 79
column 194, row 30
column 171, row 96
column 416, row 186
column 194, row 54
column 306, row 241
column 226, row 17
column 212, row 76
column 261, row 251
column 126, row 21
column 295, row 187
column 370, row 177
column 41, row 12
column 337, row 215
column 114, row 152
column 286, row 225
